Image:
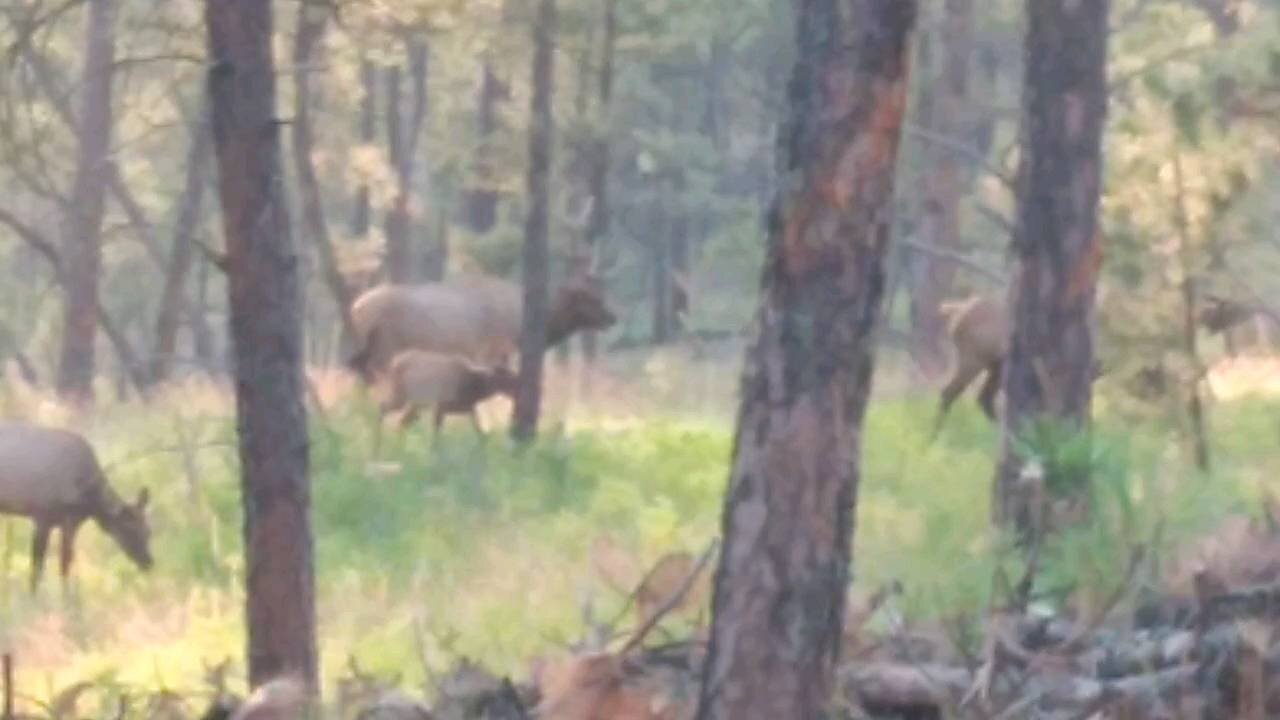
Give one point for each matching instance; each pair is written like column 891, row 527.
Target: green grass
column 475, row 547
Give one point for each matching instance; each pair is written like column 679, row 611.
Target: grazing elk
column 449, row 384
column 53, row 477
column 474, row 317
column 979, row 330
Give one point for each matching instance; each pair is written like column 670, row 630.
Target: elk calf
column 449, row 384
column 53, row 477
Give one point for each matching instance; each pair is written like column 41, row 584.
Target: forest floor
column 430, row 550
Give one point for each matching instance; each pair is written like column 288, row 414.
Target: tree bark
column 1057, row 240
column 266, row 313
column 598, row 221
column 173, row 296
column 402, row 145
column 82, row 234
column 788, row 521
column 361, row 212
column 312, row 18
column 533, row 337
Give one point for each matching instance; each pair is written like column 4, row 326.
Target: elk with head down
column 53, row 477
column 474, row 317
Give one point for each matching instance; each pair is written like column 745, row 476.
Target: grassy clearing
column 470, row 546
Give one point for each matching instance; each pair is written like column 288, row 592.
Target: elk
column 449, row 384
column 979, row 330
column 53, row 477
column 476, row 317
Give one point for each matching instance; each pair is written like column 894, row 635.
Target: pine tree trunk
column 945, row 179
column 1058, row 239
column 266, row 315
column 82, row 232
column 598, row 221
column 533, row 339
column 173, row 299
column 310, row 33
column 481, row 200
column 788, row 521
column 361, row 213
column 402, row 146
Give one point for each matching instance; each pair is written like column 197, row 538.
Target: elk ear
column 144, row 497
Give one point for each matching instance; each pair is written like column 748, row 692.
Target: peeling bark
column 789, row 512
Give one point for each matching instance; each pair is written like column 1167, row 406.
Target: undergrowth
column 431, row 548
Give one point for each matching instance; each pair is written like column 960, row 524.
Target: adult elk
column 476, row 317
column 53, row 477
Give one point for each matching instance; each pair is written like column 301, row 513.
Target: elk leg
column 439, row 421
column 991, row 386
column 475, row 420
column 68, row 530
column 408, row 417
column 964, row 375
column 39, row 544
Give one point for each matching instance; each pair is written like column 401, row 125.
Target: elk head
column 127, row 524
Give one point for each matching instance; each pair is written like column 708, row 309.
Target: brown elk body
column 979, row 330
column 473, row 317
column 53, row 477
column 449, row 384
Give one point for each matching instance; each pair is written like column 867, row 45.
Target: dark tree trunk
column 402, row 145
column 945, row 181
column 481, row 200
column 533, row 337
column 310, row 33
column 788, row 521
column 679, row 250
column 660, row 278
column 173, row 297
column 361, row 215
column 1057, row 240
column 202, row 340
column 82, row 232
column 1190, row 311
column 598, row 220
column 266, row 331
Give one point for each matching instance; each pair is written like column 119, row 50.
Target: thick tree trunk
column 82, row 231
column 533, row 338
column 173, row 296
column 789, row 512
column 266, row 315
column 481, row 200
column 402, row 145
column 361, row 214
column 598, row 220
column 1058, row 239
column 311, row 28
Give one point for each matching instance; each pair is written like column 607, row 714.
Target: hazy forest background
column 404, row 132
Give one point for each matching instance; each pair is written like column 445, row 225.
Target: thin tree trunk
column 1190, row 310
column 598, row 221
column 481, row 199
column 173, row 296
column 82, row 238
column 310, row 33
column 660, row 277
column 361, row 215
column 266, row 316
column 1058, row 240
column 945, row 180
column 788, row 521
column 202, row 340
column 533, row 338
column 402, row 144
